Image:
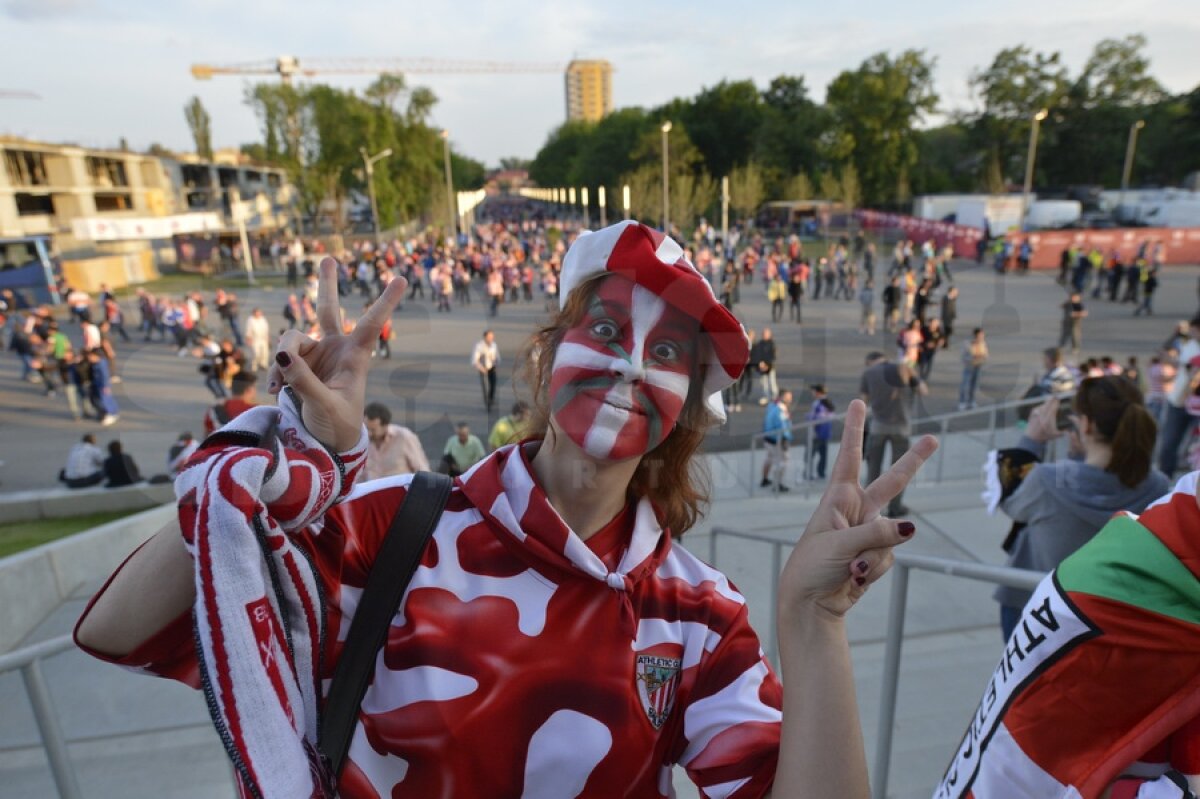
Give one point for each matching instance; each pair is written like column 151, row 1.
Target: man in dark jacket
column 119, row 468
column 762, row 357
column 949, row 314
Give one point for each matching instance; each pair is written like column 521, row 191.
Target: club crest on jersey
column 657, row 679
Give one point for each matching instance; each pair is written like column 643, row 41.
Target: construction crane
column 288, row 67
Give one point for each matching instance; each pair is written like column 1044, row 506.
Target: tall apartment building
column 589, row 89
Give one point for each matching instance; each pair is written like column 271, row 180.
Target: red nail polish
column 906, row 529
column 283, row 359
column 860, row 581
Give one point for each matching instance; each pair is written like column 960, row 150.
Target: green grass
column 19, row 536
column 179, row 282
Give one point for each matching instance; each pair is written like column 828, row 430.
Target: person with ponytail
column 1062, row 505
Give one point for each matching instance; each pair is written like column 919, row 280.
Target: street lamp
column 369, row 162
column 1130, row 148
column 449, row 186
column 666, row 128
column 1029, row 157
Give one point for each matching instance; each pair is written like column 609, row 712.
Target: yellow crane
column 289, row 67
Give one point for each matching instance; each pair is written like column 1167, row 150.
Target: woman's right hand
column 330, row 375
column 1043, row 422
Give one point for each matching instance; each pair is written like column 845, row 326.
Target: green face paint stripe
column 653, row 419
column 619, row 350
column 1125, row 562
column 569, row 391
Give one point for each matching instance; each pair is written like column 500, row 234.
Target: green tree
column 1012, row 89
column 1118, row 73
column 946, row 161
column 746, row 190
column 787, row 142
column 723, row 122
column 876, row 109
column 554, row 162
column 200, row 124
column 798, row 187
column 610, row 148
column 851, row 191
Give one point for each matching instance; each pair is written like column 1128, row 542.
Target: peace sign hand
column 847, row 545
column 330, row 375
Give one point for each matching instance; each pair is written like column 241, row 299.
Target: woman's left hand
column 847, row 545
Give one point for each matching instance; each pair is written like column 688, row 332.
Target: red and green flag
column 1101, row 677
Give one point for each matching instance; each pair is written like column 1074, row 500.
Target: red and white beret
column 655, row 261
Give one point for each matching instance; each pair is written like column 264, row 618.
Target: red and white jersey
column 525, row 661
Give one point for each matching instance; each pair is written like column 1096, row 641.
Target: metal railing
column 905, row 562
column 997, row 416
column 29, row 661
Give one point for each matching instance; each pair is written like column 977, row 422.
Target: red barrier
column 1182, row 244
column 964, row 239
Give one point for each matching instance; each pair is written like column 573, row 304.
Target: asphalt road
column 429, row 383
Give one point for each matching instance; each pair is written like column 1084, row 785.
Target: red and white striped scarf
column 259, row 613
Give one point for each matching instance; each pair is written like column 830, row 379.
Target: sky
column 106, row 70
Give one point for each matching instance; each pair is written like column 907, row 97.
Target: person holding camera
column 1061, row 505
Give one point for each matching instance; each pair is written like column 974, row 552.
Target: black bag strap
column 394, row 566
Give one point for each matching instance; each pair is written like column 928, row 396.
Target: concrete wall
column 60, row 503
column 35, row 582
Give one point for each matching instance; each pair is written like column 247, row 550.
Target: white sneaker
column 762, row 400
column 109, row 420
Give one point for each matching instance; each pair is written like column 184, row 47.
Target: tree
column 876, row 109
column 798, row 187
column 200, row 124
column 553, row 164
column 851, row 192
column 787, row 142
column 723, row 122
column 829, row 186
column 645, row 193
column 1117, row 73
column 514, row 162
column 746, row 190
column 1012, row 89
column 691, row 194
column 946, row 162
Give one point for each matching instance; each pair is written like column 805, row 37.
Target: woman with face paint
column 555, row 640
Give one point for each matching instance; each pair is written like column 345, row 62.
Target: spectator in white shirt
column 85, row 464
column 258, row 339
column 485, row 358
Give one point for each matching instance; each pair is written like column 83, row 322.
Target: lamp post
column 449, row 187
column 1130, row 148
column 666, row 214
column 369, row 162
column 724, row 216
column 1029, row 158
column 603, row 213
column 625, row 199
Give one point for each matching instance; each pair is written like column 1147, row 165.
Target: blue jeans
column 970, row 382
column 1176, row 425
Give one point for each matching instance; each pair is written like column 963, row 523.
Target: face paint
column 621, row 375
